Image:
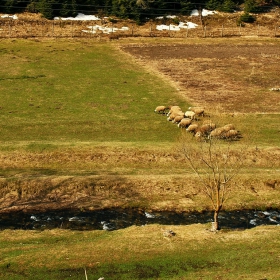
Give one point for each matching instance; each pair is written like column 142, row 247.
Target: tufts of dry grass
column 139, row 252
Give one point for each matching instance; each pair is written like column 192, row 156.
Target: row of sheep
column 188, row 120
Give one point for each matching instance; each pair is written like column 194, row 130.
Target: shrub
column 176, row 20
column 246, row 17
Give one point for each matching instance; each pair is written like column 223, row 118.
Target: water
column 113, row 219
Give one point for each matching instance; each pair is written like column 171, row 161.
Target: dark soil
column 234, row 77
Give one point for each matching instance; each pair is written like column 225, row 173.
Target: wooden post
column 71, row 28
column 240, row 29
column 132, row 29
column 10, row 31
column 187, row 31
column 31, row 23
column 275, row 31
column 258, row 27
column 204, row 31
column 222, row 34
column 53, row 29
column 150, row 29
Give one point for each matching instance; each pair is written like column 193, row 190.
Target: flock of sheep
column 188, row 120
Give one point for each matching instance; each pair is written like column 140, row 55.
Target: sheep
column 228, row 127
column 190, row 114
column 184, row 123
column 175, row 114
column 205, row 129
column 160, row 109
column 210, row 123
column 192, row 128
column 178, row 118
column 231, row 134
column 217, row 133
column 173, row 109
column 199, row 111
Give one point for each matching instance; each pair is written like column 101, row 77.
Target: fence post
column 240, row 29
column 132, row 29
column 275, row 31
column 71, row 28
column 222, row 33
column 10, row 31
column 187, row 31
column 204, row 31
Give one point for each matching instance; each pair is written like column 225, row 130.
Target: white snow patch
column 204, row 13
column 80, row 16
column 9, row 16
column 166, row 17
column 104, row 29
column 172, row 27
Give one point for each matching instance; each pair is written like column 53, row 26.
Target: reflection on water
column 113, row 219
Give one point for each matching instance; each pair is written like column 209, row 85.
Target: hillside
column 212, row 25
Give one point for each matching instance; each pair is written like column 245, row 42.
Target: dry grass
column 219, row 25
column 193, row 253
column 227, row 79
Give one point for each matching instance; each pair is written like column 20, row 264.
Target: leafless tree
column 216, row 164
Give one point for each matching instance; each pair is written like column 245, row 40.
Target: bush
column 246, row 17
column 176, row 20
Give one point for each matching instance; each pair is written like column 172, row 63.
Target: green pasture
column 75, row 91
column 57, row 92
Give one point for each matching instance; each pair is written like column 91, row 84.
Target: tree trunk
column 215, row 224
column 201, row 17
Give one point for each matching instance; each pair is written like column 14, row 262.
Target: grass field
column 78, row 130
column 141, row 253
column 78, row 92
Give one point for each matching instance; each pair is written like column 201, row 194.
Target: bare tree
column 216, row 164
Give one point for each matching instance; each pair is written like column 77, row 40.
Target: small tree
column 216, row 164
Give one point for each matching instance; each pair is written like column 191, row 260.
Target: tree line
column 137, row 10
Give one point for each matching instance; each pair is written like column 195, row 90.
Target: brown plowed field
column 232, row 76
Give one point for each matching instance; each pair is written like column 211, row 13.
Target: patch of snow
column 172, row 27
column 80, row 16
column 187, row 25
column 204, row 12
column 168, row 27
column 104, row 29
column 8, row 16
column 166, row 17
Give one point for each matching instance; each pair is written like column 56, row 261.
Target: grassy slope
column 78, row 91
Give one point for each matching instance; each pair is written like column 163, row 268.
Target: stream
column 113, row 219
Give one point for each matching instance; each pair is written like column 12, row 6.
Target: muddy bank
column 152, row 192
